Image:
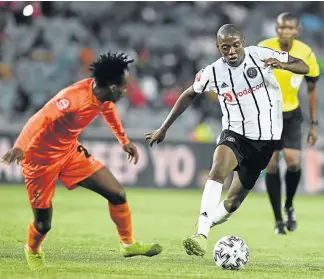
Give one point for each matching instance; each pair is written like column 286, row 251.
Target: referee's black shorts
column 292, row 130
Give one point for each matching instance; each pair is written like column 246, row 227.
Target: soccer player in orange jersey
column 48, row 149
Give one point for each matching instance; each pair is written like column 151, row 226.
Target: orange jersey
column 53, row 131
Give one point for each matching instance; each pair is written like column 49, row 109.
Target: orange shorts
column 73, row 168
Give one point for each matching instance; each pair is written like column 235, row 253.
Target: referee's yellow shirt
column 288, row 81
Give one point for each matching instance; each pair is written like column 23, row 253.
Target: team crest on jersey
column 252, row 72
column 62, row 104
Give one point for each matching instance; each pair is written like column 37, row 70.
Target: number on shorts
column 81, row 149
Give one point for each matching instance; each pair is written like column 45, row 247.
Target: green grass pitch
column 83, row 242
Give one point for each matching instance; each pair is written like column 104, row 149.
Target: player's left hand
column 132, row 152
column 273, row 62
column 14, row 154
column 312, row 136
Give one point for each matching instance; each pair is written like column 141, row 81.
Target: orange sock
column 122, row 217
column 35, row 239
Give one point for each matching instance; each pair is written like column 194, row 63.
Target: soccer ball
column 231, row 252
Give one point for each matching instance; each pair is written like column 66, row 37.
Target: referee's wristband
column 314, row 122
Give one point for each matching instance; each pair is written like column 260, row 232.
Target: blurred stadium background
column 170, row 41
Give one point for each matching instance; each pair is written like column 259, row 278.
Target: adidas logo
column 204, row 214
column 224, row 85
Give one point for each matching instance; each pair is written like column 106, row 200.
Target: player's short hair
column 287, row 16
column 109, row 68
column 228, row 30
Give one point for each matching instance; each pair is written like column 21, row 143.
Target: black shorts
column 292, row 130
column 252, row 156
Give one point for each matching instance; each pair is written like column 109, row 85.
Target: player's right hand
column 14, row 154
column 155, row 136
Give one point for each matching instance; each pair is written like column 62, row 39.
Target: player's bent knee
column 218, row 175
column 272, row 167
column 293, row 161
column 294, row 167
column 43, row 227
column 231, row 205
column 117, row 199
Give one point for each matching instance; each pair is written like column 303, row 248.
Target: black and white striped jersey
column 249, row 94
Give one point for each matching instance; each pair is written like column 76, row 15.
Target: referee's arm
column 311, row 80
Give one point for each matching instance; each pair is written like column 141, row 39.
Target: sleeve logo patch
column 62, row 104
column 198, row 75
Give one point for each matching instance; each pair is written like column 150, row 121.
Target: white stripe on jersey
column 249, row 94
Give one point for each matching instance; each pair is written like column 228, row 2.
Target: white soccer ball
column 231, row 252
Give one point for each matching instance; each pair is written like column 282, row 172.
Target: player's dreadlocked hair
column 109, row 68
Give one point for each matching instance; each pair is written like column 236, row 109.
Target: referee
column 287, row 30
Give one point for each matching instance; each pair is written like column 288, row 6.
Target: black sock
column 292, row 180
column 273, row 184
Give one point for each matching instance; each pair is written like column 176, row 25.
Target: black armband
column 314, row 122
column 312, row 79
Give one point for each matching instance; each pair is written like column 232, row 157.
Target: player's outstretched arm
column 294, row 65
column 111, row 116
column 184, row 101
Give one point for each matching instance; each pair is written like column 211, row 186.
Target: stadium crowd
column 170, row 42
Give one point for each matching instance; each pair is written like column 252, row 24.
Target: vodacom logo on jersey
column 229, row 95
